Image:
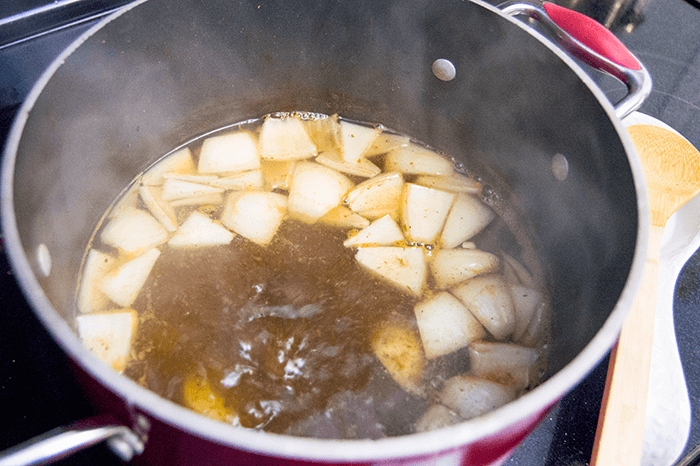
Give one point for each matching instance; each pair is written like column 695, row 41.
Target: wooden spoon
column 672, row 172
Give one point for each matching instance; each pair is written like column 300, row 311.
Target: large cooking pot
column 159, row 73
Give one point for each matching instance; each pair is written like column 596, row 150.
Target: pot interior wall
column 166, row 71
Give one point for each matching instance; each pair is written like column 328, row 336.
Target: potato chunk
column 489, row 298
column 397, row 346
column 133, row 231
column 382, row 232
column 467, row 217
column 404, row 267
column 123, row 284
column 378, row 196
column 417, row 160
column 315, row 190
column 471, row 397
column 228, row 153
column 285, row 139
column 200, row 230
column 109, row 335
column 423, row 212
column 255, row 215
column 446, row 325
column 453, row 266
column 506, row 363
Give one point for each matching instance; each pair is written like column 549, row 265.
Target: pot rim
column 524, row 409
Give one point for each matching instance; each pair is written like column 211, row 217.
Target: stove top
column 37, row 392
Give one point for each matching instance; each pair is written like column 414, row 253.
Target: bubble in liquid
column 444, row 70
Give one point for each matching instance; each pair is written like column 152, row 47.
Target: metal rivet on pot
column 560, row 167
column 43, row 258
column 444, row 70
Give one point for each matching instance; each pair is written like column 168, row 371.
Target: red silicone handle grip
column 593, row 35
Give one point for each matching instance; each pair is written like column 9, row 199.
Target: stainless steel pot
column 159, row 73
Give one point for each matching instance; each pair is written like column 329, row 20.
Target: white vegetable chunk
column 382, row 232
column 417, row 160
column 109, row 335
column 210, row 198
column 133, row 231
column 343, row 217
column 524, row 277
column 378, row 196
column 174, row 189
column 471, row 397
column 467, row 217
column 255, row 215
column 251, row 180
column 360, row 167
column 324, row 132
column 233, row 152
column 488, row 297
column 90, row 297
column 404, row 267
column 525, row 303
column 177, row 162
column 162, row 211
column 356, row 139
column 437, row 417
column 506, row 363
column 452, row 266
column 456, row 183
column 203, row 179
column 423, row 212
column 277, row 175
column 386, row 142
column 200, row 230
column 446, row 325
column 315, row 190
column 285, row 139
column 536, row 330
column 397, row 347
column 124, row 284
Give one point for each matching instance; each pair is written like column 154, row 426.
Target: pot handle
column 62, row 442
column 589, row 41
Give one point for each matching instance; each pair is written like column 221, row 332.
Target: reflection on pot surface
column 311, row 275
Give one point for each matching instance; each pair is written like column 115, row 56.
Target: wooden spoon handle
column 620, row 430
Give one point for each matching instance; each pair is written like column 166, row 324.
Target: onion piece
column 417, row 160
column 228, row 153
column 251, row 180
column 255, row 215
column 90, row 297
column 343, row 217
column 467, row 217
column 285, row 139
column 471, row 397
column 134, row 231
column 109, row 335
column 453, row 266
column 200, row 230
column 356, row 139
column 123, row 284
column 382, row 232
column 378, row 196
column 386, row 142
column 446, row 325
column 423, row 212
column 437, row 417
column 489, row 298
column 525, row 303
column 315, row 190
column 178, row 162
column 174, row 189
column 455, row 183
column 324, row 131
column 398, row 348
column 506, row 363
column 404, row 267
column 210, row 198
column 360, row 167
column 152, row 197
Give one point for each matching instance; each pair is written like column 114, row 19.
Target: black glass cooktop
column 37, row 392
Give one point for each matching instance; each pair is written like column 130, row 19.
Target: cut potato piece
column 397, row 346
column 255, row 215
column 285, row 139
column 315, row 190
column 162, row 211
column 200, row 230
column 343, row 217
column 377, row 196
column 90, row 298
column 361, row 167
column 277, row 175
column 505, row 363
column 456, row 183
column 233, row 152
column 417, row 160
column 174, row 189
column 446, row 325
column 177, row 162
column 382, row 232
column 124, row 284
column 134, row 231
column 324, row 132
column 453, row 266
column 356, row 139
column 201, row 398
column 471, row 397
column 109, row 335
column 525, row 303
column 404, row 267
column 489, row 298
column 423, row 212
column 437, row 417
column 467, row 217
column 385, row 142
column 211, row 198
column 251, row 180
